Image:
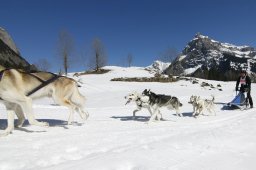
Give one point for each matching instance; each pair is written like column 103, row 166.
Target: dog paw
column 45, row 124
column 70, row 123
column 87, row 116
column 18, row 126
column 5, row 133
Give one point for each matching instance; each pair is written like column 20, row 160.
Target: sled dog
column 157, row 101
column 18, row 89
column 199, row 105
column 141, row 102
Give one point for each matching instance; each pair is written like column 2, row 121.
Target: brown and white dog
column 17, row 90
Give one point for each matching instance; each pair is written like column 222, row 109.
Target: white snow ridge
column 158, row 67
column 112, row 140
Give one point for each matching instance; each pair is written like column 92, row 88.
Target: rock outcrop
column 206, row 58
column 10, row 56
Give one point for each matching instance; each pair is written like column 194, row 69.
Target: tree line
column 96, row 59
column 65, row 53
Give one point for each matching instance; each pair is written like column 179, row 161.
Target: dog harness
column 43, row 82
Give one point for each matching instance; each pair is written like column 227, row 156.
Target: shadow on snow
column 51, row 122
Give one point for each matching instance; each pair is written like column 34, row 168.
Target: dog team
column 153, row 102
column 19, row 88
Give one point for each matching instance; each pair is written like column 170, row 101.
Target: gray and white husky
column 141, row 102
column 157, row 101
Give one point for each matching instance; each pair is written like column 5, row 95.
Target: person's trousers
column 249, row 97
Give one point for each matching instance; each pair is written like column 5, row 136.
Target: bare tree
column 99, row 57
column 169, row 54
column 43, row 64
column 65, row 49
column 129, row 59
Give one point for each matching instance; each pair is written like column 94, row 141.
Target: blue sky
column 143, row 28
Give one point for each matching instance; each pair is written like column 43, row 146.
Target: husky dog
column 199, row 105
column 17, row 89
column 158, row 100
column 194, row 101
column 141, row 102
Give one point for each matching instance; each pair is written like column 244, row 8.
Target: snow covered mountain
column 9, row 55
column 157, row 67
column 206, row 58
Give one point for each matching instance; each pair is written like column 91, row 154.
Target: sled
column 239, row 102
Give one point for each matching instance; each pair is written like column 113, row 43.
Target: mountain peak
column 6, row 38
column 203, row 54
column 201, row 36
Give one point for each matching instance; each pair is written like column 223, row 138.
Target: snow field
column 112, row 140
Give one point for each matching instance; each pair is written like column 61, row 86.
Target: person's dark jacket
column 247, row 84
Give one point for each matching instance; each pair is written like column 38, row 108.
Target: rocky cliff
column 204, row 57
column 10, row 56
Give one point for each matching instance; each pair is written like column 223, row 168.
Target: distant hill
column 157, row 67
column 10, row 56
column 206, row 58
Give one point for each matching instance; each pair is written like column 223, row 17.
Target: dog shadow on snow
column 185, row 114
column 146, row 118
column 51, row 122
column 132, row 118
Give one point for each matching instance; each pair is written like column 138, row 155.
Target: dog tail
column 79, row 101
column 76, row 97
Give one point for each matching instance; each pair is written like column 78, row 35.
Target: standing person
column 245, row 86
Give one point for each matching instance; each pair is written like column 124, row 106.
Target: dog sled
column 239, row 102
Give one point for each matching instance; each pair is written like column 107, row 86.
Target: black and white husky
column 141, row 102
column 157, row 101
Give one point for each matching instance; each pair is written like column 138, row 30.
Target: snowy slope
column 111, row 140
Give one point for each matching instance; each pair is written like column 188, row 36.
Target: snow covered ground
column 111, row 140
